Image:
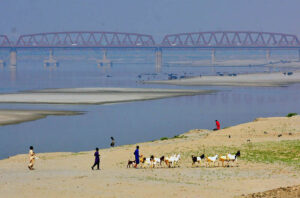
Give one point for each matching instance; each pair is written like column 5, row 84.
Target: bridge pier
column 158, row 59
column 51, row 62
column 2, row 63
column 213, row 56
column 268, row 55
column 13, row 58
column 104, row 61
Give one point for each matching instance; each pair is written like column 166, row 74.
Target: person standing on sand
column 137, row 156
column 112, row 144
column 31, row 158
column 97, row 159
column 217, row 125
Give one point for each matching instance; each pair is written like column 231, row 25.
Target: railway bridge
column 215, row 40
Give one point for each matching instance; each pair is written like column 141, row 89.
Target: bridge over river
column 217, row 40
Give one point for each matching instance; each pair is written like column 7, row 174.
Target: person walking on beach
column 97, row 159
column 137, row 156
column 112, row 144
column 31, row 158
column 218, row 126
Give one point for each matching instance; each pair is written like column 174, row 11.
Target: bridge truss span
column 86, row 39
column 4, row 41
column 230, row 39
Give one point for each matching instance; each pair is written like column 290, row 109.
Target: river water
column 134, row 121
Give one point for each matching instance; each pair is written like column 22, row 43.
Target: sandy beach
column 17, row 116
column 95, row 95
column 269, row 160
column 257, row 79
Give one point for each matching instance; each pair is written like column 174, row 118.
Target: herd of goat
column 174, row 160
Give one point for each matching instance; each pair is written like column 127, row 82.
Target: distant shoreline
column 241, row 62
column 256, row 79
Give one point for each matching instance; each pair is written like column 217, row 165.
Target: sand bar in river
column 17, row 116
column 257, row 79
column 95, row 95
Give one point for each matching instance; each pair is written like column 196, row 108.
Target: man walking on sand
column 31, row 158
column 217, row 125
column 137, row 156
column 97, row 159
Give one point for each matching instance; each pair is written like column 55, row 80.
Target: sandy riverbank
column 69, row 174
column 242, row 62
column 257, row 79
column 17, row 116
column 95, row 95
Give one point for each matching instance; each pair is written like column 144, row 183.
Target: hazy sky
column 156, row 17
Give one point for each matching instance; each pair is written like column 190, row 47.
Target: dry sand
column 94, row 95
column 69, row 175
column 283, row 192
column 235, row 61
column 258, row 79
column 17, row 116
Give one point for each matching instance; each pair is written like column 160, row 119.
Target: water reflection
column 13, row 73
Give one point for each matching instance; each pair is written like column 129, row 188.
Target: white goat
column 229, row 158
column 159, row 160
column 173, row 160
column 149, row 162
column 212, row 159
column 233, row 158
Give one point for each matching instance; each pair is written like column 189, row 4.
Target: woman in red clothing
column 217, row 125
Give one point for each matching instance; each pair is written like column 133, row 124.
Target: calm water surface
column 135, row 121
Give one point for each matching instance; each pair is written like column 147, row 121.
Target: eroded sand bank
column 95, row 95
column 69, row 174
column 17, row 116
column 258, row 79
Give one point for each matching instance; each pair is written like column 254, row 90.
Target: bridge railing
column 4, row 41
column 234, row 39
column 230, row 39
column 85, row 39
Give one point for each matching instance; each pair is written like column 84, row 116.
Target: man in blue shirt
column 137, row 156
column 97, row 159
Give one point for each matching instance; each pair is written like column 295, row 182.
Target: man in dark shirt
column 97, row 159
column 112, row 144
column 137, row 156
